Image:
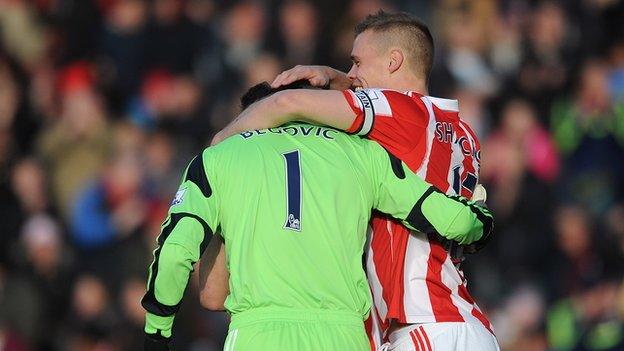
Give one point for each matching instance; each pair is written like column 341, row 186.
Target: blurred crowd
column 103, row 102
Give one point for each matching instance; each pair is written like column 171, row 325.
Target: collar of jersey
column 444, row 104
column 441, row 103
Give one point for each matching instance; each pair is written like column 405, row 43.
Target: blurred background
column 103, row 102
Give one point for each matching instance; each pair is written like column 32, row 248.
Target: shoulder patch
column 179, row 197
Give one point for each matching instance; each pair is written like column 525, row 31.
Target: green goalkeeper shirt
column 293, row 204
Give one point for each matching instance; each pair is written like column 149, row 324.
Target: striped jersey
column 412, row 277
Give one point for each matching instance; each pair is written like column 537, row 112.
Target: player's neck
column 417, row 85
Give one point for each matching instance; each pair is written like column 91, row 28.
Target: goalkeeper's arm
column 405, row 196
column 184, row 236
column 179, row 248
column 456, row 251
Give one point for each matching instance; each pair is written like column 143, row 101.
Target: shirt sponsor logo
column 444, row 132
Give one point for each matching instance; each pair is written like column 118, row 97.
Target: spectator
column 10, row 341
column 91, row 319
column 519, row 322
column 298, row 25
column 549, row 56
column 76, row 145
column 173, row 39
column 49, row 269
column 464, row 54
column 616, row 74
column 265, row 67
column 587, row 320
column 243, row 33
column 518, row 163
column 587, row 131
column 520, row 127
column 111, row 207
column 130, row 329
column 123, row 49
column 22, row 34
column 578, row 258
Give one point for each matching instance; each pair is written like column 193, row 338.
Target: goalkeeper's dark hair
column 264, row 89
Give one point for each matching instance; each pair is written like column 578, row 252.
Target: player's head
column 264, row 89
column 391, row 47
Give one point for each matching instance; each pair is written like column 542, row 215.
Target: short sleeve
column 195, row 193
column 396, row 120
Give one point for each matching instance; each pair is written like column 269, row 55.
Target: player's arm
column 214, row 276
column 403, row 121
column 422, row 207
column 324, row 107
column 184, row 236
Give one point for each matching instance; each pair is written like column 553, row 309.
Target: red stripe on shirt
column 404, row 134
column 359, row 113
column 472, row 134
column 464, row 294
column 368, row 326
column 381, row 250
column 440, row 295
column 439, row 163
column 483, row 319
column 396, row 306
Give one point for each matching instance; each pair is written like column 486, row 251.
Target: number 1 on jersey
column 293, row 190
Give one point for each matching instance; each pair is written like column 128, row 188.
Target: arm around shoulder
column 324, row 107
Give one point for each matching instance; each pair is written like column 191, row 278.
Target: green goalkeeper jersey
column 293, row 204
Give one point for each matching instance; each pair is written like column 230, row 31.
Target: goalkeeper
column 292, row 204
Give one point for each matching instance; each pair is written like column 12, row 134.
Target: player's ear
column 396, row 60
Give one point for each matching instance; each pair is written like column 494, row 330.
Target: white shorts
column 442, row 337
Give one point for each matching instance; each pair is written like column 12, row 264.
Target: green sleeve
column 184, row 235
column 405, row 196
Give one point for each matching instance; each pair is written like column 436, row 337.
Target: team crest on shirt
column 179, row 197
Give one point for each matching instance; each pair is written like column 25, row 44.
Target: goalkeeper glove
column 157, row 342
column 479, row 196
column 456, row 251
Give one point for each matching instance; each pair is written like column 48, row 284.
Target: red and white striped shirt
column 412, row 277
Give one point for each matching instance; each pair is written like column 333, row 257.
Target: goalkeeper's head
column 264, row 89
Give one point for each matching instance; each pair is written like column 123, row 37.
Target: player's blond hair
column 406, row 31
